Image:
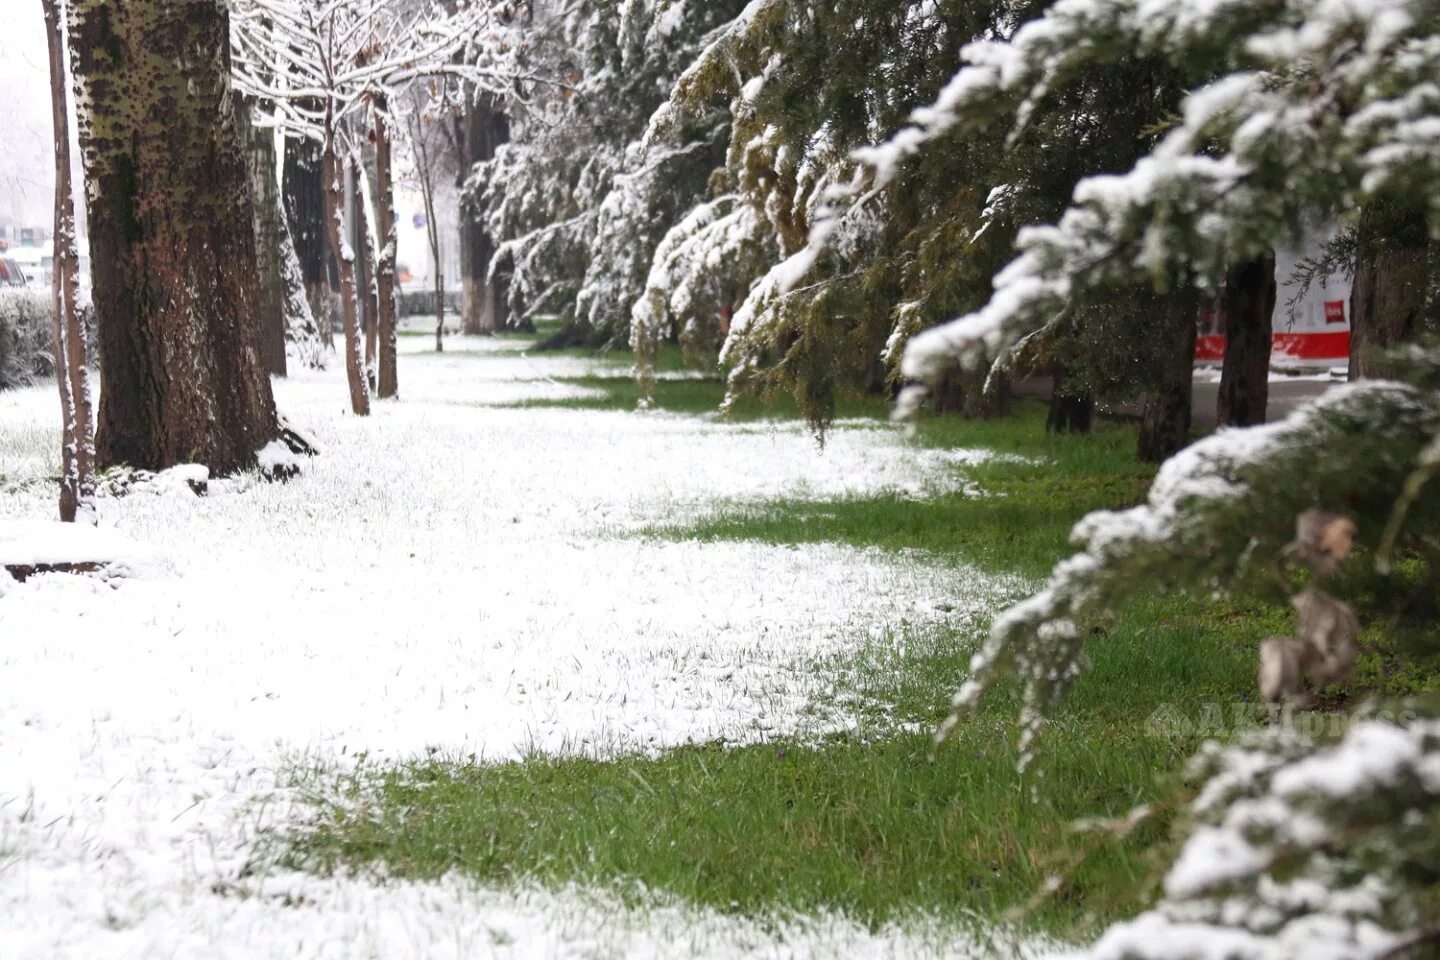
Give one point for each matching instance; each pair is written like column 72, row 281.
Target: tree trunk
column 269, row 322
column 1165, row 424
column 171, row 242
column 1387, row 301
column 335, row 197
column 365, row 275
column 1249, row 302
column 425, row 174
column 1070, row 411
column 385, row 261
column 72, row 373
column 997, row 393
column 948, row 394
column 305, row 206
column 432, row 232
column 483, row 305
column 301, row 329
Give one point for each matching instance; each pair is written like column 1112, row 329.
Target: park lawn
column 877, row 823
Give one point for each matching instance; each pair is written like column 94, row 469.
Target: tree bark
column 1070, row 411
column 335, row 197
column 1249, row 301
column 425, row 174
column 385, row 261
column 269, row 321
column 171, row 242
column 483, row 306
column 1165, row 424
column 1387, row 300
column 305, row 206
column 365, row 274
column 72, row 372
column 301, row 329
column 432, row 232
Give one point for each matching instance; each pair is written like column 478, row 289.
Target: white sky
column 26, row 160
column 27, row 176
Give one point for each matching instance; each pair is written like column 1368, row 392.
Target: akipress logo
column 1218, row 720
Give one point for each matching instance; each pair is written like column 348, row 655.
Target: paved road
column 1286, row 394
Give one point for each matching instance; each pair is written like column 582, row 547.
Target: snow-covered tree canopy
column 319, row 64
column 837, row 264
column 1324, row 107
column 578, row 200
column 1335, row 107
column 1301, row 112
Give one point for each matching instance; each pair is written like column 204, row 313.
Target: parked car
column 10, row 273
column 34, row 262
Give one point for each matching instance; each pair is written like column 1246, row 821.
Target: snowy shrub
column 1301, row 848
column 25, row 337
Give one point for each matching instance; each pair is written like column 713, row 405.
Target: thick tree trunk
column 1165, row 424
column 335, row 197
column 385, row 261
column 72, row 372
column 171, row 243
column 269, row 321
column 1387, row 301
column 1249, row 302
column 1070, row 411
column 483, row 307
column 305, row 211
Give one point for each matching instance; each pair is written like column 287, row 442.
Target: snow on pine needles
column 450, row 576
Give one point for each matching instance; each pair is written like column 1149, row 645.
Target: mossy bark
column 171, row 244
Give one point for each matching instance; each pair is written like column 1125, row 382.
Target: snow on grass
column 444, row 578
column 305, row 918
column 46, row 543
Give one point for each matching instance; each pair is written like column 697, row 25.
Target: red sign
column 1334, row 311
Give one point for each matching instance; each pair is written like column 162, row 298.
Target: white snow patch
column 442, row 578
column 276, row 456
column 43, row 542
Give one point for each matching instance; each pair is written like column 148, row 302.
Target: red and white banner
column 1314, row 331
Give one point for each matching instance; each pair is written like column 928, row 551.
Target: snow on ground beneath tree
column 31, row 543
column 448, row 576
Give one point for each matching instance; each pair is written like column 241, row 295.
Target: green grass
column 877, row 828
column 1020, row 525
column 876, row 824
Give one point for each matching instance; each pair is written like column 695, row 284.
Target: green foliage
column 580, row 198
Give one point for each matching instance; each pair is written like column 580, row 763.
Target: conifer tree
column 1318, row 113
column 581, row 196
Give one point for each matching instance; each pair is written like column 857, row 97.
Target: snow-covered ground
column 449, row 575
